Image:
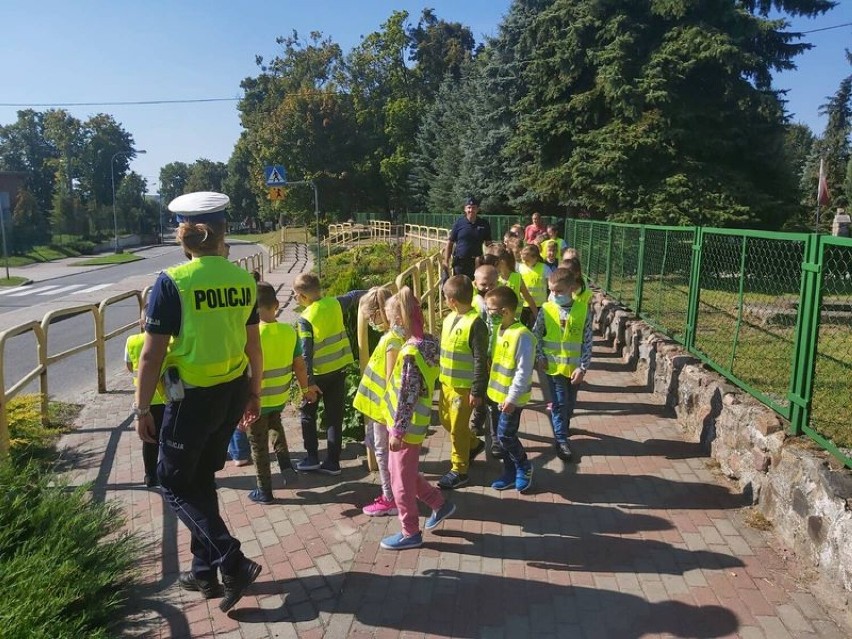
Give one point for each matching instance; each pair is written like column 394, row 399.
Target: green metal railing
column 770, row 311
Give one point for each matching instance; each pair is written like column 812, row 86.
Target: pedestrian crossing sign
column 275, row 175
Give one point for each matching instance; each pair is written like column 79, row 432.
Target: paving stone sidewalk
column 638, row 538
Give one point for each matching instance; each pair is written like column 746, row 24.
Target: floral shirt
column 412, row 385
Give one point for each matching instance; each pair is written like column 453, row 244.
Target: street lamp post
column 112, row 176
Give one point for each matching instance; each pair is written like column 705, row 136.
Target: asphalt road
column 70, row 377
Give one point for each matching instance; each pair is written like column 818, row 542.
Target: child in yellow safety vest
column 150, row 451
column 370, row 398
column 509, row 387
column 552, row 238
column 409, row 406
column 564, row 332
column 328, row 355
column 508, row 276
column 534, row 275
column 282, row 359
column 463, row 376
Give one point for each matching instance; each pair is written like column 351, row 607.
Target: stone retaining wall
column 800, row 488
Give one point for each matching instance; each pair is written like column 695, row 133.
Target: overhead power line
column 128, row 103
column 836, row 26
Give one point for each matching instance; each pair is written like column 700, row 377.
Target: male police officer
column 464, row 245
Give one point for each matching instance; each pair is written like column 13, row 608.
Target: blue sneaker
column 307, row 464
column 259, row 496
column 401, row 542
column 440, row 515
column 523, row 479
column 504, row 482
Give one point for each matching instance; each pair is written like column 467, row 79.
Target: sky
column 118, row 51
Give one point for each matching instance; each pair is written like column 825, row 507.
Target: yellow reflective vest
column 422, row 415
column 456, row 361
column 535, row 281
column 331, row 345
column 133, row 346
column 278, row 341
column 503, row 364
column 514, row 282
column 370, row 398
column 217, row 298
column 562, row 345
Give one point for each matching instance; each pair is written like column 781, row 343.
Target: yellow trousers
column 454, row 411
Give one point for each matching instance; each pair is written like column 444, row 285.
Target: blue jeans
column 563, row 396
column 507, row 435
column 239, row 448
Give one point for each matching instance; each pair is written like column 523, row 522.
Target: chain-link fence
column 770, row 311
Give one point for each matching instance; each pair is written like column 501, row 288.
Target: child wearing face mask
column 484, row 279
column 564, row 346
column 409, row 406
column 370, row 398
column 325, row 347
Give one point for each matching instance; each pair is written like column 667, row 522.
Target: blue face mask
column 562, row 300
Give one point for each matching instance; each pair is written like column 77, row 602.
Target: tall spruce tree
column 659, row 111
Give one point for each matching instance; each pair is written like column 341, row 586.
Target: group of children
column 501, row 327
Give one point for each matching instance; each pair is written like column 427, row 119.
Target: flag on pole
column 823, row 196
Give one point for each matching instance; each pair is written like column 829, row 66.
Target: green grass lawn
column 760, row 354
column 111, row 258
column 12, row 281
column 273, row 237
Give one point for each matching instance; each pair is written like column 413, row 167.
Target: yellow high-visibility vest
column 217, row 298
column 456, row 362
column 133, row 347
column 503, row 365
column 278, row 341
column 370, row 398
column 331, row 345
column 562, row 345
column 422, row 415
column 513, row 282
column 535, row 281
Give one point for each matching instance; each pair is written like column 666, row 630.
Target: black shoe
column 474, row 452
column 236, row 584
column 497, row 451
column 329, row 468
column 453, row 480
column 209, row 589
column 563, row 451
column 151, row 481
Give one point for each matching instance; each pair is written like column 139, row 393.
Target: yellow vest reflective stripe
column 331, row 345
column 562, row 345
column 217, row 298
column 503, row 364
column 370, row 398
column 134, row 352
column 456, row 355
column 422, row 415
column 514, row 282
column 536, row 282
column 278, row 342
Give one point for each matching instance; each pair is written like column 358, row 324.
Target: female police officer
column 201, row 333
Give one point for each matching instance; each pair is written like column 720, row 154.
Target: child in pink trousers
column 409, row 406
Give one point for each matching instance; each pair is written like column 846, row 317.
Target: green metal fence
column 770, row 311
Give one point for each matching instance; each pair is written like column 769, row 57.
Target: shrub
column 64, row 560
column 65, row 565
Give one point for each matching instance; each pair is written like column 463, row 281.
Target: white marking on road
column 92, row 289
column 33, row 291
column 70, row 287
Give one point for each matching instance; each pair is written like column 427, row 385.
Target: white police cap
column 201, row 206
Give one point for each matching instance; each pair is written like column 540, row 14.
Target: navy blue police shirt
column 468, row 237
column 163, row 316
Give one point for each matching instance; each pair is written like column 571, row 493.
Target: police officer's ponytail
column 201, row 238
